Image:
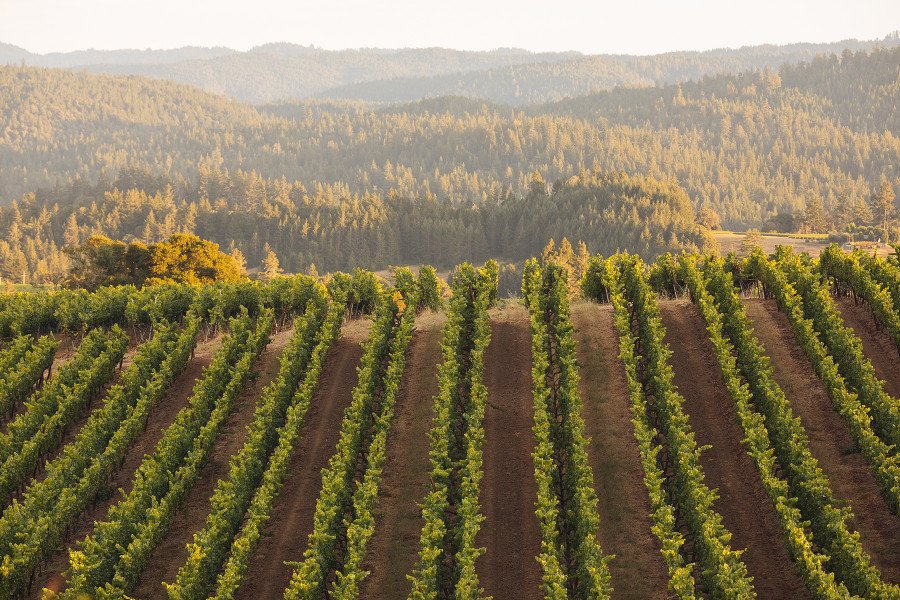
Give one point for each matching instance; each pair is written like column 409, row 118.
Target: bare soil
column 393, row 550
column 877, row 344
column 743, row 503
column 638, row 571
column 830, row 441
column 190, row 517
column 510, row 532
column 292, row 513
column 162, row 415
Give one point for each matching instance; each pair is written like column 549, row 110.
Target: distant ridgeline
column 334, row 231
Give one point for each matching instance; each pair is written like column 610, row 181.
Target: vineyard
column 698, row 427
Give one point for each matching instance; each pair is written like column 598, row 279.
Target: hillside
column 274, row 72
column 333, row 229
column 748, row 145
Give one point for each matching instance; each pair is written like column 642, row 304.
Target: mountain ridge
column 281, row 71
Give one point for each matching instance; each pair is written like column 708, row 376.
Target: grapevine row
column 660, row 408
column 57, row 405
column 846, row 393
column 79, row 310
column 850, row 274
column 259, row 510
column 22, row 366
column 885, row 272
column 729, row 333
column 807, row 482
column 451, row 512
column 844, row 346
column 110, row 560
column 603, row 283
column 233, row 495
column 31, row 529
column 332, row 562
column 572, row 561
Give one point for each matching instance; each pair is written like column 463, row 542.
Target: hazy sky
column 625, row 26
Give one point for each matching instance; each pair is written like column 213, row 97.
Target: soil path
column 394, row 549
column 190, row 517
column 746, row 510
column 638, row 570
column 292, row 514
column 829, row 438
column 162, row 415
column 510, row 533
column 877, row 344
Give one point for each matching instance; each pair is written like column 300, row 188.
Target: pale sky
column 625, row 26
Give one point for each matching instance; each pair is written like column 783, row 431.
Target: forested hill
column 332, row 229
column 287, row 71
column 748, row 146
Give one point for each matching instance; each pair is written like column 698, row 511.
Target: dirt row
column 394, row 548
column 292, row 513
column 830, row 441
column 638, row 570
column 66, row 350
column 171, row 552
column 68, row 345
column 510, row 532
column 743, row 503
column 877, row 344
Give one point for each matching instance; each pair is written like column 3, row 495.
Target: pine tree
column 271, row 268
column 883, row 202
column 549, row 251
column 239, row 260
column 750, row 242
column 582, row 259
column 814, row 218
column 71, row 236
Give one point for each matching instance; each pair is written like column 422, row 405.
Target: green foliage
column 856, row 273
column 852, row 396
column 57, row 406
column 22, row 365
column 450, row 511
column 812, row 564
column 663, row 513
column 829, row 521
column 79, row 310
column 571, row 559
column 430, row 286
column 844, row 346
column 31, row 529
column 259, row 509
column 110, row 560
column 361, row 290
column 279, row 414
